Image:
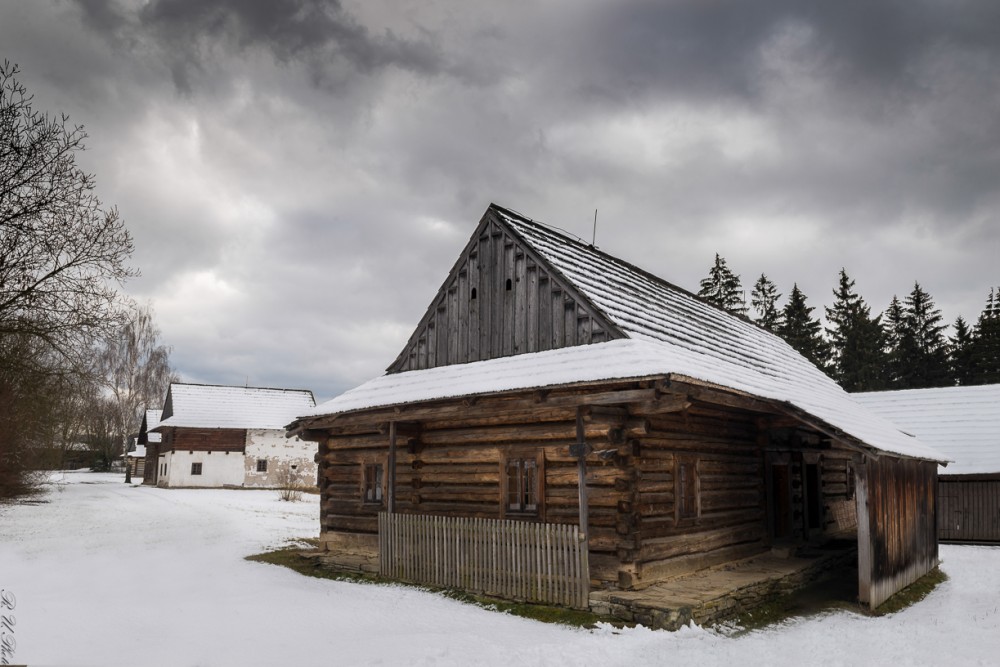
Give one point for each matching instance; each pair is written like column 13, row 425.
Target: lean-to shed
column 964, row 424
column 550, row 386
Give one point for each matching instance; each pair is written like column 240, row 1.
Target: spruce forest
column 907, row 346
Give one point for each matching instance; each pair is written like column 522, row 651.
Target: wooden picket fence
column 518, row 560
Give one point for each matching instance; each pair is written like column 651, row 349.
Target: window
column 686, row 488
column 522, row 486
column 195, row 468
column 372, row 483
column 261, row 465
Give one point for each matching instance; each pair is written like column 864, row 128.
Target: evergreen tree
column 986, row 344
column 898, row 343
column 928, row 366
column 764, row 301
column 961, row 353
column 857, row 341
column 801, row 330
column 723, row 288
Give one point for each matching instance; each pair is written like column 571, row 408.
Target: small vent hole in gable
column 473, row 293
column 508, row 284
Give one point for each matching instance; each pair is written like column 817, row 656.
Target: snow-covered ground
column 110, row 574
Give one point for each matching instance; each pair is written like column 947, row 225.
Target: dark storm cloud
column 300, row 175
column 714, row 51
column 319, row 33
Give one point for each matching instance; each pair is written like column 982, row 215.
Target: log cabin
column 150, row 439
column 963, row 423
column 222, row 436
column 551, row 387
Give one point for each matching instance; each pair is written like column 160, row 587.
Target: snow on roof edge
column 627, row 359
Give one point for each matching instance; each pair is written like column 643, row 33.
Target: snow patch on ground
column 115, row 574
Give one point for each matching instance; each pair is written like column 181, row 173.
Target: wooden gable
column 501, row 299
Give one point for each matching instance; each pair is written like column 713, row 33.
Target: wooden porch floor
column 722, row 592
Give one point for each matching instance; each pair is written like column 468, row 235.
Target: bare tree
column 63, row 256
column 135, row 369
column 61, row 251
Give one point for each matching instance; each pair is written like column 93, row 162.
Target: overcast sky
column 299, row 176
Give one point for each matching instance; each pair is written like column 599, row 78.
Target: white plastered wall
column 287, row 458
column 217, row 469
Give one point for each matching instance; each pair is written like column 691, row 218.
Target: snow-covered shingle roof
column 669, row 332
column 152, row 420
column 215, row 406
column 961, row 422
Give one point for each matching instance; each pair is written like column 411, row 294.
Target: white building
column 215, row 436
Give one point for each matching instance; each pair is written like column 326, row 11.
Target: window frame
column 261, row 465
column 196, row 468
column 373, row 479
column 530, row 466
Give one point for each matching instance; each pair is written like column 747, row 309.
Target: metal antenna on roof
column 593, row 238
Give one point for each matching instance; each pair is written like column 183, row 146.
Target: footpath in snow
column 104, row 573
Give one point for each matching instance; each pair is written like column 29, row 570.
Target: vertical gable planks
column 499, row 300
column 507, row 284
column 475, row 290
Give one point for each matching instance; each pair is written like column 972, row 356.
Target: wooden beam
column 865, row 548
column 661, row 405
column 719, row 396
column 581, row 468
column 309, row 434
column 585, row 393
column 391, row 472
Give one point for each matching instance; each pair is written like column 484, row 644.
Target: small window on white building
column 196, row 468
column 261, row 465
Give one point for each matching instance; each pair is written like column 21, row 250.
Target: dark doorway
column 781, row 501
column 814, row 501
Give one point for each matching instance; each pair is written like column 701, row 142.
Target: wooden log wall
column 454, row 468
column 729, row 451
column 451, row 462
column 204, row 439
column 499, row 300
column 897, row 527
column 969, row 508
column 730, row 521
column 837, row 474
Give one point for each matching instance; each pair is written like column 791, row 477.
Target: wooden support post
column 865, row 550
column 581, row 467
column 390, row 480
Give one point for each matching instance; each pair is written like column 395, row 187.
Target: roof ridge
column 236, row 386
column 589, row 247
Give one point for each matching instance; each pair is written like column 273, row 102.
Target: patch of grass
column 295, row 558
column 913, row 593
column 537, row 612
